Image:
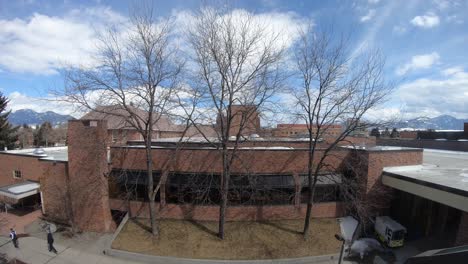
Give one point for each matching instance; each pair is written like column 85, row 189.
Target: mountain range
column 32, row 118
column 443, row 122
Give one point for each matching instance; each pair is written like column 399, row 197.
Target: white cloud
column 424, row 61
column 370, row 14
column 284, row 23
column 452, row 71
column 368, row 39
column 428, row 20
column 373, row 1
column 41, row 44
column 435, row 96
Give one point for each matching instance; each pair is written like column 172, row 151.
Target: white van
column 389, row 231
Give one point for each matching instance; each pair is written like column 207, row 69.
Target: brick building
column 121, row 130
column 301, row 130
column 245, row 120
column 82, row 184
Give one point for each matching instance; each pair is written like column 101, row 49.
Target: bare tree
column 25, row 136
column 334, row 88
column 361, row 203
column 237, row 71
column 135, row 77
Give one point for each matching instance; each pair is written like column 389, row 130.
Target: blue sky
column 425, row 43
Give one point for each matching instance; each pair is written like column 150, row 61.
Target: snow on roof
column 24, row 188
column 379, row 148
column 443, row 168
column 20, row 190
column 51, row 153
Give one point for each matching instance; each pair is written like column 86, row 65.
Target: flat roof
column 20, row 190
column 216, row 140
column 442, row 168
column 441, row 171
column 380, row 148
column 50, row 153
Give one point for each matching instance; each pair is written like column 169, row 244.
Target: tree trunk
column 224, row 193
column 152, row 205
column 311, row 185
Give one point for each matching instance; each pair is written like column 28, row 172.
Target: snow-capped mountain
column 31, row 117
column 443, row 122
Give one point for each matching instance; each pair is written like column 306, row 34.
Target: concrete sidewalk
column 33, row 250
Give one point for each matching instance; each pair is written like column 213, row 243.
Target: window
column 115, row 136
column 17, row 174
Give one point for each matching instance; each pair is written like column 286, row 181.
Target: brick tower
column 88, row 169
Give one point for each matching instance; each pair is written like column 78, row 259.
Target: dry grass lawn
column 244, row 240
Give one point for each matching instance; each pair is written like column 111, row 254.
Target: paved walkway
column 18, row 222
column 33, row 250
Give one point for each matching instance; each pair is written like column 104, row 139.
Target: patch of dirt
column 244, row 240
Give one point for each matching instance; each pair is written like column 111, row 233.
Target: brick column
column 88, row 175
column 462, row 233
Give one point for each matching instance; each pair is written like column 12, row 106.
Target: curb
column 174, row 260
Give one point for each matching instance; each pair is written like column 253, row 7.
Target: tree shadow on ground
column 203, row 227
column 281, row 227
column 141, row 224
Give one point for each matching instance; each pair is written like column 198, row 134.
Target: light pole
column 340, row 238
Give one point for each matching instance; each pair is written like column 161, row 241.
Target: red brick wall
column 409, row 134
column 8, row 200
column 29, row 166
column 377, row 160
column 203, row 160
column 87, row 168
column 288, row 130
column 234, row 213
column 54, row 191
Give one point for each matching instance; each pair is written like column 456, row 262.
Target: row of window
column 243, row 189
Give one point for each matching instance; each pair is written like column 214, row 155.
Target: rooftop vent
column 40, row 152
column 254, row 136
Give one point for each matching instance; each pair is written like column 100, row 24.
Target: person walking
column 50, row 241
column 14, row 237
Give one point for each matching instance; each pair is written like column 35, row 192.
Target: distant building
column 121, row 131
column 405, row 134
column 301, row 130
column 244, row 120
